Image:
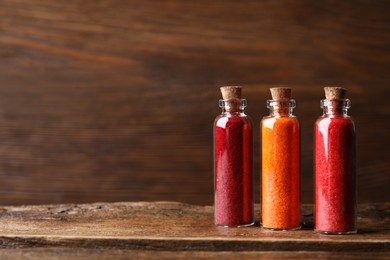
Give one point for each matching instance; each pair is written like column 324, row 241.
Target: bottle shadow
column 367, row 231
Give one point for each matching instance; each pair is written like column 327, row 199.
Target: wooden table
column 169, row 229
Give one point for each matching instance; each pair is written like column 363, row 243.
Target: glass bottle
column 335, row 167
column 280, row 139
column 233, row 179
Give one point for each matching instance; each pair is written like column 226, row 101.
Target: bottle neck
column 281, row 108
column 335, row 108
column 232, row 106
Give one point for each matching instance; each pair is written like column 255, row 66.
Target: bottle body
column 280, row 203
column 233, row 183
column 335, row 172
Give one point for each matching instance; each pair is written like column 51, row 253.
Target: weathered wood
column 113, row 100
column 95, row 254
column 170, row 226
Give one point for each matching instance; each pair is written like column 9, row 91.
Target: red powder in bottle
column 335, row 175
column 233, row 170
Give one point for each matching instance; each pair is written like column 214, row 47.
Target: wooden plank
column 114, row 100
column 97, row 254
column 171, row 226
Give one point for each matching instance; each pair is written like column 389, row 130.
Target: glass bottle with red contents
column 335, row 166
column 233, row 178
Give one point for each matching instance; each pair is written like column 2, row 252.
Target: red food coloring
column 335, row 175
column 233, row 170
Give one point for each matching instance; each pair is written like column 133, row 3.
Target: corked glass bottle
column 335, row 166
column 233, row 179
column 280, row 134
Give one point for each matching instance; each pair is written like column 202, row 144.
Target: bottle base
column 282, row 229
column 235, row 226
column 335, row 232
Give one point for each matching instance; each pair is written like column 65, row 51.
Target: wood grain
column 94, row 253
column 176, row 230
column 114, row 100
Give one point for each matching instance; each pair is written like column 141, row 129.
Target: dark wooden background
column 115, row 100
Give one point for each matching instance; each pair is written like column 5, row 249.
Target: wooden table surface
column 171, row 229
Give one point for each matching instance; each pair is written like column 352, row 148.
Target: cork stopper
column 232, row 96
column 231, row 92
column 281, row 93
column 335, row 93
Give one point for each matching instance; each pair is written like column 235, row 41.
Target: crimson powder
column 335, row 166
column 233, row 183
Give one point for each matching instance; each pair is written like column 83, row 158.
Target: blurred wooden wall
column 114, row 100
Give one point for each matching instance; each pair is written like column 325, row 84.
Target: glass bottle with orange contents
column 280, row 154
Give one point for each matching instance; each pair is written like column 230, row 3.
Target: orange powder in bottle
column 280, row 164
